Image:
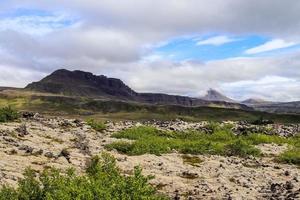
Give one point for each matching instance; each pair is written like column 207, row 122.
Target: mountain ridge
column 86, row 84
column 256, row 101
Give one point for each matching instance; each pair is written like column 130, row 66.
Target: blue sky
column 242, row 48
column 236, row 46
column 35, row 21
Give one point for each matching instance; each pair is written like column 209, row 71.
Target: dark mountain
column 79, row 83
column 286, row 107
column 214, row 95
column 85, row 84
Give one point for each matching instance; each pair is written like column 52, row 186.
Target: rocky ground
column 40, row 142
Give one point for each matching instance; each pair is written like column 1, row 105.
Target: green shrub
column 241, row 148
column 123, row 147
column 96, row 125
column 291, row 156
column 221, row 142
column 153, row 141
column 8, row 114
column 102, row 181
column 262, row 121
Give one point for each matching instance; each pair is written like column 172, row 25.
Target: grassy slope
column 102, row 109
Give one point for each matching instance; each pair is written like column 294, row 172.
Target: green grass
column 8, row 114
column 266, row 139
column 291, row 156
column 101, row 181
column 96, row 125
column 153, row 141
column 221, row 142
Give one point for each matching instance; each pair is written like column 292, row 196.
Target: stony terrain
column 39, row 142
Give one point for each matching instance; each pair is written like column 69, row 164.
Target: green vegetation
column 8, row 114
column 102, row 181
column 291, row 156
column 256, row 139
column 241, row 148
column 96, row 125
column 16, row 102
column 153, row 141
column 120, row 110
column 221, row 142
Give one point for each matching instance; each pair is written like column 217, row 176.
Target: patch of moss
column 192, row 160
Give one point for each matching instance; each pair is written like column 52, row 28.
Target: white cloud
column 216, row 41
column 268, row 88
column 240, row 78
column 269, row 46
column 17, row 77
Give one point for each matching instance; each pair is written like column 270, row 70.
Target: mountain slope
column 214, row 95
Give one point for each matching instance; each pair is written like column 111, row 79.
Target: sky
column 245, row 49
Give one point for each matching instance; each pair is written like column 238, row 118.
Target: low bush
column 102, row 181
column 262, row 121
column 291, row 156
column 96, row 125
column 241, row 148
column 8, row 114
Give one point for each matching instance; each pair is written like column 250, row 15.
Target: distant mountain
column 8, row 88
column 255, row 101
column 85, row 84
column 214, row 95
column 286, row 107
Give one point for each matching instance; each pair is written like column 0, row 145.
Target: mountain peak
column 80, row 83
column 214, row 95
